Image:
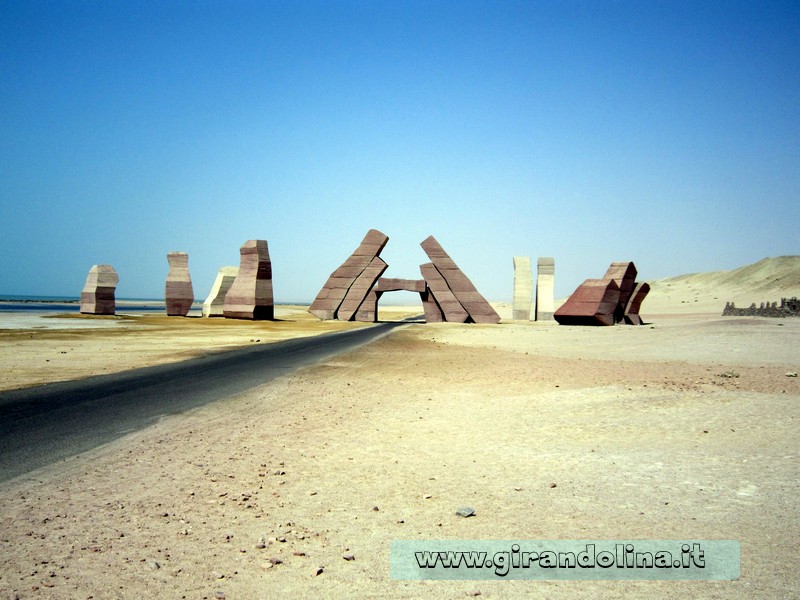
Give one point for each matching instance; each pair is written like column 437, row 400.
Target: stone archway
column 351, row 293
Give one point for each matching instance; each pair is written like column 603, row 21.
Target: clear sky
column 667, row 133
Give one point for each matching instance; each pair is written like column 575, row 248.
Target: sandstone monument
column 326, row 304
column 479, row 310
column 178, row 292
column 351, row 293
column 632, row 308
column 593, row 303
column 624, row 275
column 605, row 301
column 250, row 294
column 523, row 289
column 545, row 285
column 214, row 303
column 97, row 296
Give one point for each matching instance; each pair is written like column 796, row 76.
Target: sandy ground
column 685, row 428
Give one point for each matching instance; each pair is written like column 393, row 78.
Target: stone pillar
column 523, row 289
column 178, row 292
column 250, row 295
column 545, row 282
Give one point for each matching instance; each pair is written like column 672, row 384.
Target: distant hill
column 769, row 279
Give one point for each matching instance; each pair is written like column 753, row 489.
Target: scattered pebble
column 375, row 509
column 792, row 374
column 427, row 496
column 318, row 571
column 262, row 543
column 275, row 560
column 729, row 374
column 552, row 485
column 465, row 511
column 348, row 556
column 219, row 594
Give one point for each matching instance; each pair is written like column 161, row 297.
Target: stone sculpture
column 545, row 284
column 215, row 302
column 250, row 294
column 593, row 303
column 97, row 296
column 351, row 293
column 332, row 295
column 624, row 275
column 632, row 307
column 178, row 292
column 442, row 295
column 523, row 289
column 478, row 309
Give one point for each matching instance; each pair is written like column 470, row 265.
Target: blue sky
column 667, row 133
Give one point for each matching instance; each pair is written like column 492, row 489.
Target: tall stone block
column 178, row 292
column 326, row 305
column 545, row 284
column 98, row 294
column 214, row 304
column 523, row 289
column 593, row 303
column 476, row 306
column 250, row 295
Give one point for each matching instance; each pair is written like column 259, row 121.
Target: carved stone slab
column 98, row 294
column 178, row 292
column 478, row 309
column 250, row 295
column 440, row 292
column 215, row 302
column 624, row 275
column 357, row 293
column 386, row 284
column 523, row 289
column 326, row 305
column 593, row 303
column 632, row 308
column 545, row 282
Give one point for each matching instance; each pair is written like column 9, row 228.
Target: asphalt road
column 44, row 424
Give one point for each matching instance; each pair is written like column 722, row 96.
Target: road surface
column 44, row 424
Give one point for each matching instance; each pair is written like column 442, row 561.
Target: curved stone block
column 250, row 295
column 632, row 308
column 215, row 302
column 624, row 275
column 98, row 294
column 178, row 292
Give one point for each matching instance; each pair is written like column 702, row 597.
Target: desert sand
column 684, row 428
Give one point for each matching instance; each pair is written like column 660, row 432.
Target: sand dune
column 769, row 279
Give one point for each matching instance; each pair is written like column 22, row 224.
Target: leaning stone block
column 98, row 294
column 215, row 302
column 178, row 292
column 593, row 303
column 250, row 295
column 478, row 309
column 360, row 288
column 439, row 291
column 326, row 305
